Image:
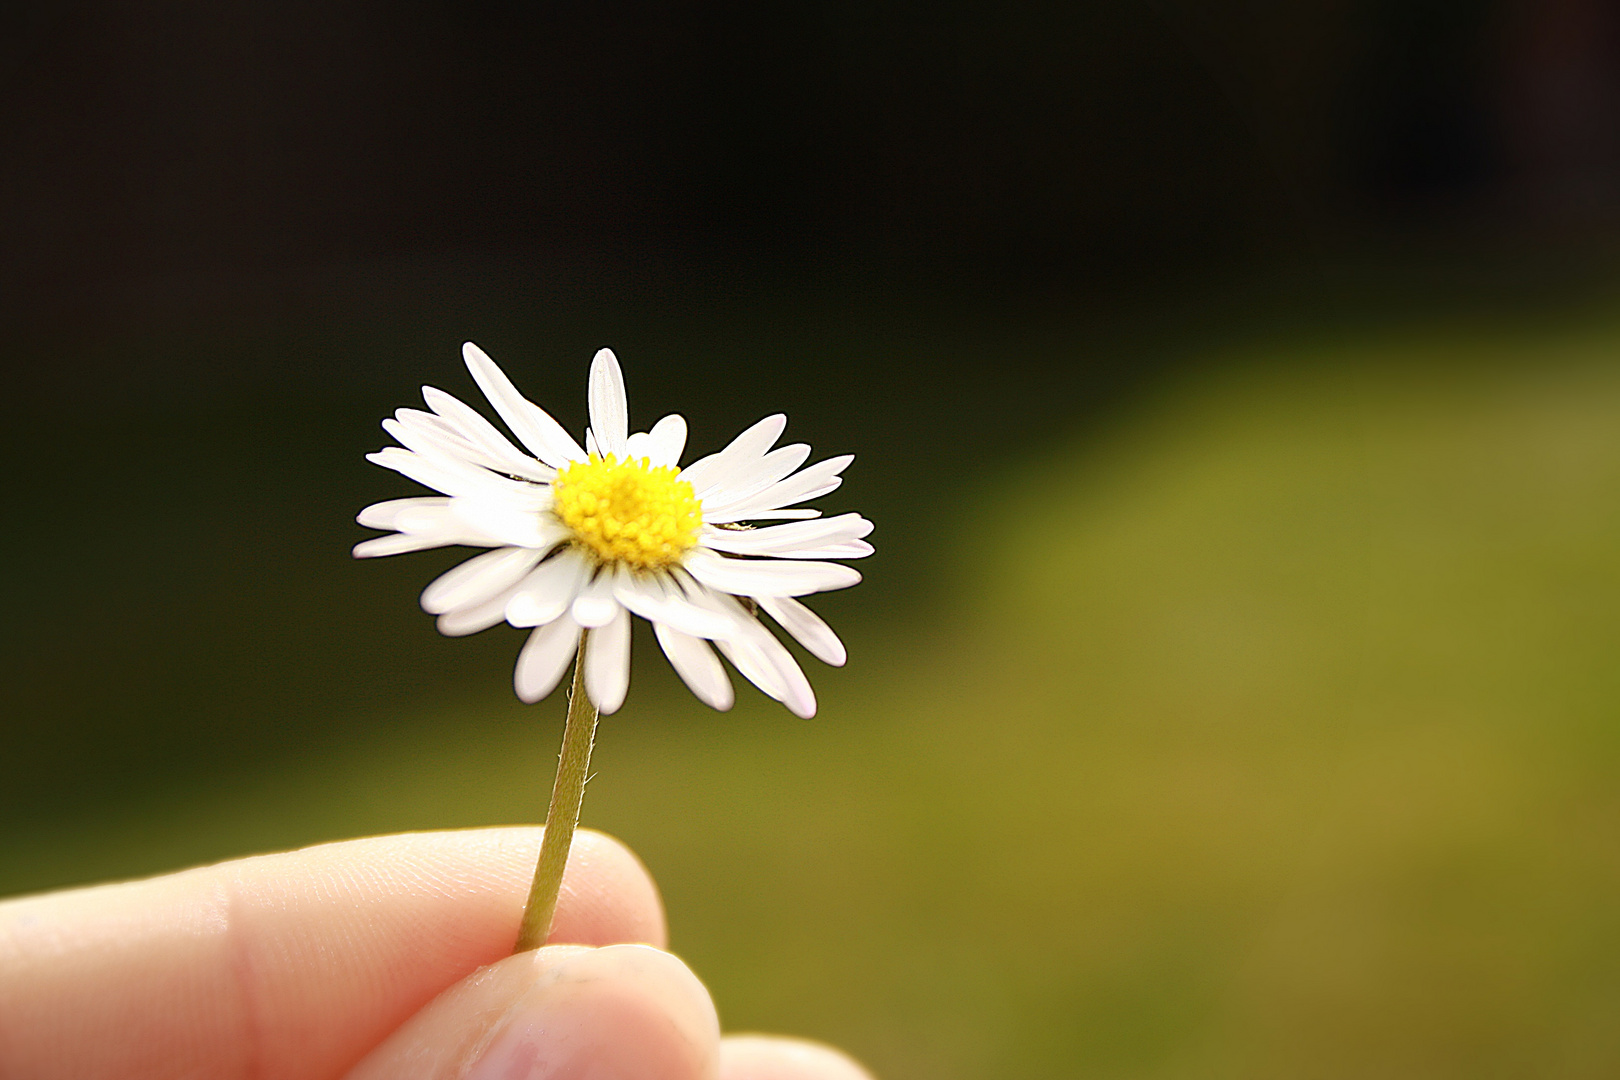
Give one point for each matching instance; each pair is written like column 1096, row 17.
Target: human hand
column 368, row 959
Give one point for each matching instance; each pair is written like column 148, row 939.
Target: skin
column 383, row 957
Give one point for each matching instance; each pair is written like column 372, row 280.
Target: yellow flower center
column 628, row 511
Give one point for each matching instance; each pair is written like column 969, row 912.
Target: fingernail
column 627, row 1011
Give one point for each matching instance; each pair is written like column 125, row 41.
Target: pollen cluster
column 628, row 511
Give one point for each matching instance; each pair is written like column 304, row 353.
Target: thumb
column 560, row 1013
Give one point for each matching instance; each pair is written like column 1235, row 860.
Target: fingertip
column 316, row 954
column 559, row 1012
column 771, row 1057
column 608, row 897
column 623, row 1010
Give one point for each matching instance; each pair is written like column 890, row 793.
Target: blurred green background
column 1234, row 690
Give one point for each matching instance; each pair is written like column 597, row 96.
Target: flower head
column 581, row 538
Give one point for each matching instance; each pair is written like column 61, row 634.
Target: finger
column 561, row 1012
column 290, row 965
column 767, row 1057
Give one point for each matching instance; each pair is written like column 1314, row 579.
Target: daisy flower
column 582, row 538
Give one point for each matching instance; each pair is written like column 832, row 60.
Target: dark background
column 234, row 235
column 157, row 155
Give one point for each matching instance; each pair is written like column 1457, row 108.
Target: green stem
column 573, row 767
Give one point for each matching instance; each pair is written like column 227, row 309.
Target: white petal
column 433, row 437
column 544, row 659
column 607, row 663
column 478, row 579
column 510, row 524
column 855, row 549
column 797, row 694
column 740, row 648
column 420, row 520
column 544, row 437
column 807, row 628
column 610, row 411
column 764, row 662
column 817, row 480
column 666, row 440
column 432, row 440
column 460, row 479
column 434, row 517
column 748, row 481
column 644, row 597
column 697, row 666
column 381, row 515
column 750, row 577
column 850, row 549
column 470, row 620
column 423, row 523
column 590, row 444
column 638, row 445
column 763, row 515
column 742, row 452
column 422, row 471
column 752, row 665
column 399, row 544
column 595, row 606
column 469, row 422
column 437, row 439
column 789, row 541
column 483, row 434
column 549, row 590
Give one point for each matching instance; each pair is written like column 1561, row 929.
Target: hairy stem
column 573, row 767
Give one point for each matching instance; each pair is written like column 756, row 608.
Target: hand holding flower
column 385, row 957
